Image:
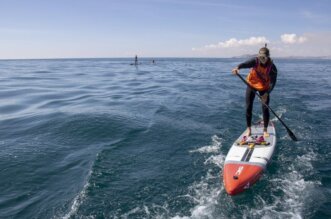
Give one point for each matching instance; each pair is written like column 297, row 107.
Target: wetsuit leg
column 250, row 95
column 265, row 111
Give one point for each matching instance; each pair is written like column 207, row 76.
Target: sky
column 163, row 28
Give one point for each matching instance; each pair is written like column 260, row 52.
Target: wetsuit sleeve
column 248, row 64
column 273, row 78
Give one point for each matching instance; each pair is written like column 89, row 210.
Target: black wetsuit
column 250, row 93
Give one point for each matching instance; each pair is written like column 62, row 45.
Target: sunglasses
column 263, row 58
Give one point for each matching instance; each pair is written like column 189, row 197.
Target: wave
column 213, row 148
column 205, row 194
column 79, row 199
column 298, row 193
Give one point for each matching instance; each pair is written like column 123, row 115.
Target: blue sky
column 163, row 28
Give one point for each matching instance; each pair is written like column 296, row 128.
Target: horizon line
column 167, row 57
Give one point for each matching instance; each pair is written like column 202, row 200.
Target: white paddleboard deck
column 259, row 154
column 248, row 158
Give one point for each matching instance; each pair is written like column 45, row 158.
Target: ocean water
column 100, row 138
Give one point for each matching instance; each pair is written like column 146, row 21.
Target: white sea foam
column 133, row 211
column 154, row 211
column 78, row 200
column 297, row 193
column 213, row 148
column 206, row 193
column 280, row 111
column 216, row 159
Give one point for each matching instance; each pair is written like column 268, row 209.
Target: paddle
column 290, row 133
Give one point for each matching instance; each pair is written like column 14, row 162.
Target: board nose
column 233, row 187
column 232, row 179
column 238, row 177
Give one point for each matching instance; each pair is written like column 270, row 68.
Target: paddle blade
column 290, row 133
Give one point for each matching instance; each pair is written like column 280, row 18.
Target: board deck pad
column 248, row 158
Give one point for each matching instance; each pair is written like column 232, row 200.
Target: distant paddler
column 136, row 60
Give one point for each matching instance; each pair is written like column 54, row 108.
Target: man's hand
column 235, row 71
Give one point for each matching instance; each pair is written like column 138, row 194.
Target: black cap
column 264, row 51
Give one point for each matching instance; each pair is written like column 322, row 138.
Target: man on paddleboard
column 262, row 78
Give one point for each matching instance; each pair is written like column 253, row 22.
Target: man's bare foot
column 265, row 133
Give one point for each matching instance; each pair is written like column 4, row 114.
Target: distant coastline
column 246, row 56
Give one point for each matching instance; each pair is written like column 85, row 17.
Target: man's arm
column 248, row 64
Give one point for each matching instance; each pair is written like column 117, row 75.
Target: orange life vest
column 258, row 76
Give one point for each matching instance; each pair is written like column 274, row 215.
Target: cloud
column 233, row 42
column 292, row 38
column 287, row 44
column 232, row 47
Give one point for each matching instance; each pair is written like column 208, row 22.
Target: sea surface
column 100, row 138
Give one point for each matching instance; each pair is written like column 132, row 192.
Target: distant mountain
column 245, row 56
column 248, row 56
column 305, row 57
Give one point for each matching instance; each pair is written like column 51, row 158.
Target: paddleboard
column 247, row 158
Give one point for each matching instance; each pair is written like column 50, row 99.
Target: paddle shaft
column 291, row 134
